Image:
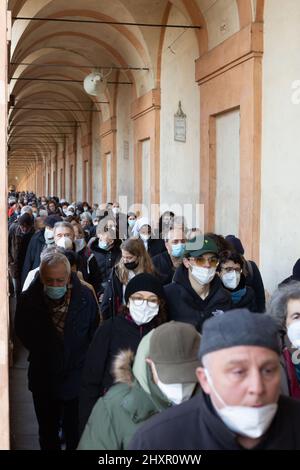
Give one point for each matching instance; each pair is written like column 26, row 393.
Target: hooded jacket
column 133, row 400
column 184, row 304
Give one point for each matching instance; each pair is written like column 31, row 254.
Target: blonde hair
column 135, row 247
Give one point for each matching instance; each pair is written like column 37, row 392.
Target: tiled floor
column 23, row 425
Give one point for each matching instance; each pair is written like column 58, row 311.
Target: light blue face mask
column 103, row 245
column 131, row 222
column 178, row 250
column 55, row 293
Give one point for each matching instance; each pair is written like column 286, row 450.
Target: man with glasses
column 231, row 273
column 196, row 292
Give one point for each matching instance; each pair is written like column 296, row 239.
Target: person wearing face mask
column 106, row 252
column 167, row 262
column 230, row 270
column 241, row 406
column 142, row 229
column 119, row 220
column 19, row 236
column 131, row 220
column 196, row 291
column 93, row 273
column 41, row 239
column 251, row 273
column 160, row 375
column 284, row 307
column 56, row 318
column 144, row 310
column 134, row 260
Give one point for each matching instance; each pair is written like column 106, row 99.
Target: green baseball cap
column 199, row 246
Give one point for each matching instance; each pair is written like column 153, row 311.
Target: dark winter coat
column 33, row 254
column 254, row 280
column 164, row 267
column 106, row 259
column 55, row 364
column 184, row 304
column 204, row 429
column 17, row 246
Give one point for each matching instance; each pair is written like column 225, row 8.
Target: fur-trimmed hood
column 128, row 367
column 122, row 367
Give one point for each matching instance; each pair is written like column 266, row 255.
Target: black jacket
column 184, row 304
column 254, row 280
column 33, row 253
column 106, row 259
column 114, row 335
column 112, row 297
column 248, row 300
column 55, row 364
column 204, row 430
column 156, row 246
column 164, row 267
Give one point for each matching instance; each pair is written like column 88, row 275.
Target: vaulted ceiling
column 51, row 56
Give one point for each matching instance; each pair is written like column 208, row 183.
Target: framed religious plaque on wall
column 180, row 125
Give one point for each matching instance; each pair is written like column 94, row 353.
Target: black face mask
column 131, row 265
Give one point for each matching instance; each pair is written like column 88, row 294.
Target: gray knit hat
column 239, row 327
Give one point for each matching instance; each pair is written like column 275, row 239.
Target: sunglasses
column 201, row 261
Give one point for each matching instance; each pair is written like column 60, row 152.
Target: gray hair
column 86, row 216
column 27, row 209
column 50, row 257
column 62, row 224
column 277, row 306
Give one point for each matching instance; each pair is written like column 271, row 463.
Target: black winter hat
column 144, row 281
column 239, row 327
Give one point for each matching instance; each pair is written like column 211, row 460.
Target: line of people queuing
column 113, row 313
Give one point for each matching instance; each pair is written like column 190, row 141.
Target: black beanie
column 144, row 281
column 236, row 243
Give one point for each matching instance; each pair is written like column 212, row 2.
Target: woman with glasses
column 230, row 270
column 134, row 260
column 196, row 292
column 144, row 310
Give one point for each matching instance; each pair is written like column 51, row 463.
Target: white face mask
column 144, row 237
column 115, row 210
column 65, row 242
column 48, row 235
column 177, row 393
column 293, row 333
column 245, row 420
column 203, row 275
column 79, row 244
column 143, row 313
column 231, row 280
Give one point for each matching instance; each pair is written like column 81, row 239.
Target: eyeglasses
column 201, row 261
column 151, row 302
column 230, row 270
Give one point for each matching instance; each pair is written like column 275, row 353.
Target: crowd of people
column 123, row 320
